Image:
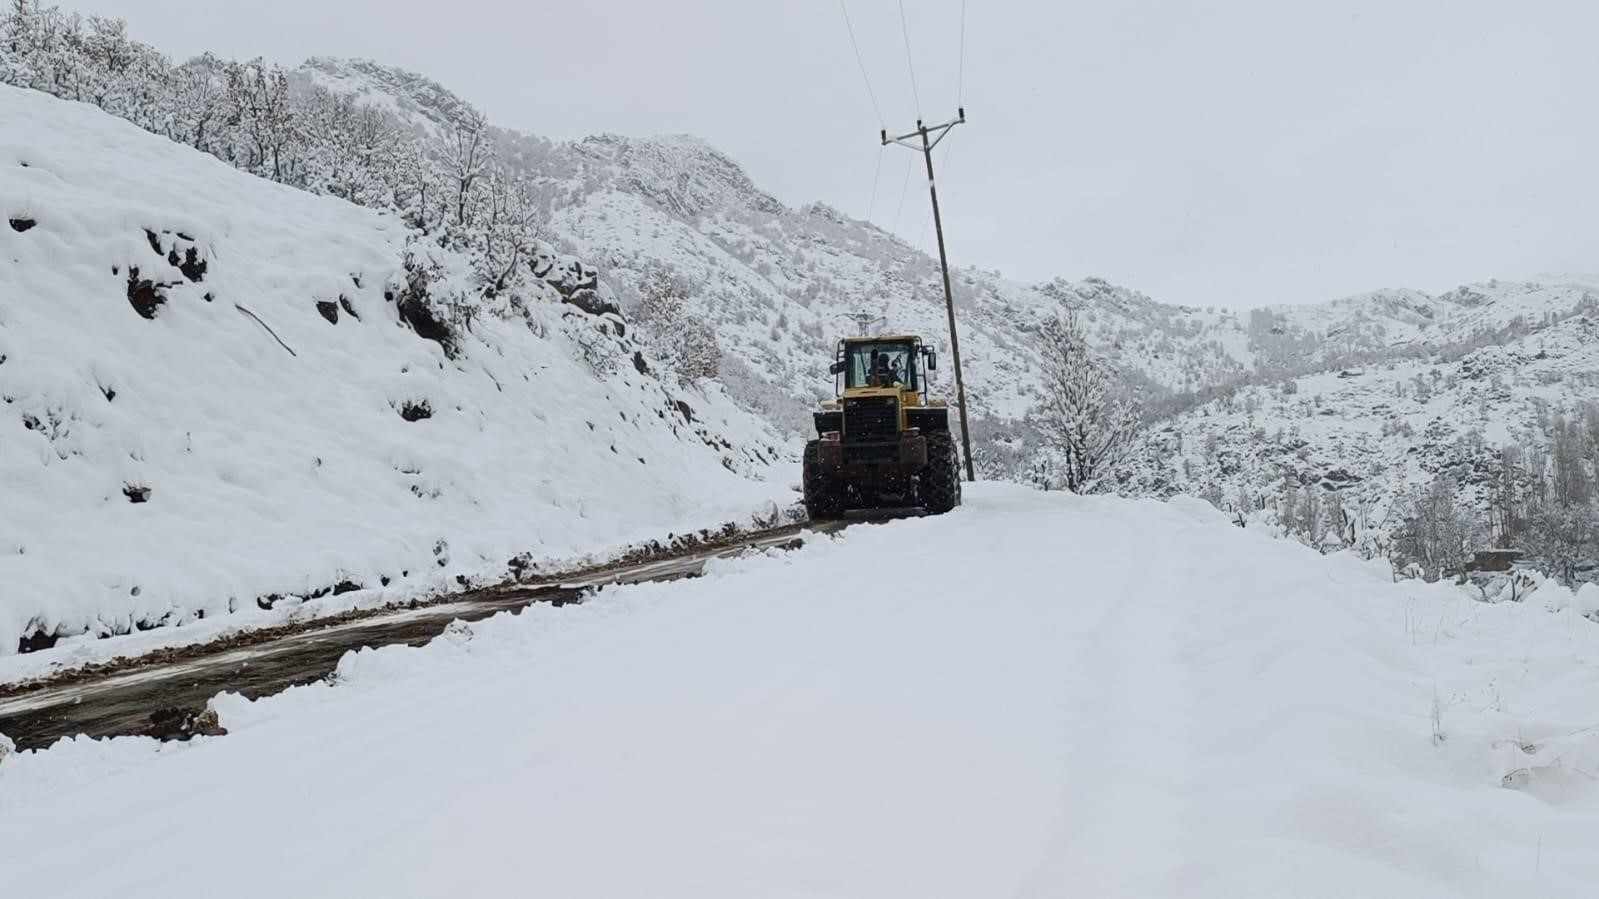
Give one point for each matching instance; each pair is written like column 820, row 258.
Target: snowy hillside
column 430, row 109
column 1230, row 717
column 1300, row 396
column 766, row 289
column 777, row 284
column 1300, row 339
column 216, row 396
column 1372, row 433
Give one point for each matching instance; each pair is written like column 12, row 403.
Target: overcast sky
column 1204, row 153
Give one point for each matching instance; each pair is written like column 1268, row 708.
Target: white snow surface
column 1036, row 695
column 271, row 473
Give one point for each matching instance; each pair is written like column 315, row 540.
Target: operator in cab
column 884, row 373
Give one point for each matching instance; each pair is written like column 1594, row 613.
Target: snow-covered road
column 1038, row 695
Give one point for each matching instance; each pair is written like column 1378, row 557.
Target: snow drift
column 210, row 400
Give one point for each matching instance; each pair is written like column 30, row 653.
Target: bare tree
column 1302, row 514
column 259, row 105
column 1434, row 536
column 33, row 47
column 1562, row 525
column 680, row 341
column 1564, row 540
column 1342, row 520
column 508, row 231
column 467, row 159
column 196, row 103
column 414, row 183
column 1093, row 432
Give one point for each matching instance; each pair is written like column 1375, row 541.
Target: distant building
column 1493, row 560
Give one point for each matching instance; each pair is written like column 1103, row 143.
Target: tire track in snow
column 1129, row 719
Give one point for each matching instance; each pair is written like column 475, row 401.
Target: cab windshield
column 880, row 365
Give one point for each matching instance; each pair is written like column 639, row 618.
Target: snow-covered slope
column 1230, row 716
column 778, row 284
column 1372, row 432
column 432, row 111
column 1385, row 323
column 210, row 400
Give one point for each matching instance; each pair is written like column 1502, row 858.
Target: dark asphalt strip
column 169, row 701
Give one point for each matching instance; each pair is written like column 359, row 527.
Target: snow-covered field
column 1036, row 695
column 272, row 430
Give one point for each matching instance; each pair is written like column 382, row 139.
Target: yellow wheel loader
column 883, row 443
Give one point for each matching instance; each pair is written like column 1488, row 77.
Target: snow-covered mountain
column 221, row 394
column 1449, row 382
column 676, row 202
column 1388, row 323
column 426, row 106
column 778, row 284
column 772, row 285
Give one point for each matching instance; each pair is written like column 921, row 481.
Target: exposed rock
column 144, row 295
column 184, row 724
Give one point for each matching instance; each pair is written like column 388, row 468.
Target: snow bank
column 210, row 400
column 1070, row 696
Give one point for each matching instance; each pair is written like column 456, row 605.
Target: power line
column 903, row 186
column 877, row 173
column 862, row 62
column 905, row 30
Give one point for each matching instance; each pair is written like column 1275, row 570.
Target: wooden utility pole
column 929, row 138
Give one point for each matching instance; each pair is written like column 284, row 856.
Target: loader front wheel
column 940, row 482
column 824, row 496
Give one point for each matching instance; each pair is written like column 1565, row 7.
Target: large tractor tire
column 939, row 484
column 824, row 496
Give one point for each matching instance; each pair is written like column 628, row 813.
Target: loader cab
column 876, row 363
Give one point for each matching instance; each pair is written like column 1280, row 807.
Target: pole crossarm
column 934, row 133
column 926, row 138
